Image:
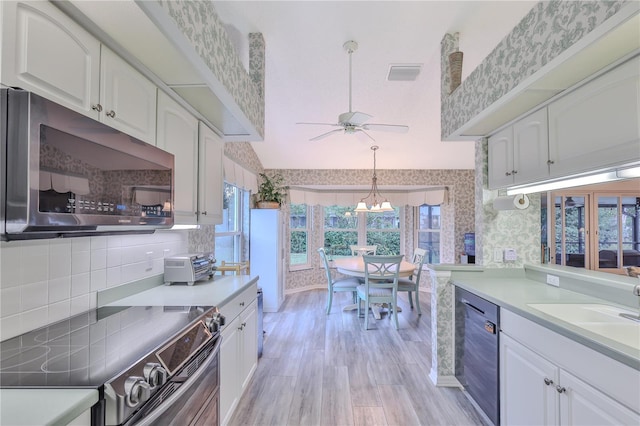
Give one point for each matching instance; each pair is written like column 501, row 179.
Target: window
column 232, row 235
column 596, row 230
column 340, row 230
column 299, row 235
column 428, row 231
column 343, row 228
column 383, row 230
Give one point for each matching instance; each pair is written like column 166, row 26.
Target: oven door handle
column 153, row 416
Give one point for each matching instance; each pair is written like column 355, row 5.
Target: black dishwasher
column 477, row 351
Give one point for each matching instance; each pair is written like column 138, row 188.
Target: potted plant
column 271, row 191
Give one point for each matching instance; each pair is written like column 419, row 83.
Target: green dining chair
column 340, row 284
column 380, row 285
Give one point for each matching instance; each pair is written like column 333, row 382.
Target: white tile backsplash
column 45, row 281
column 59, row 289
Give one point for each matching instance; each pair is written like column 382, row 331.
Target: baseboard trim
column 444, row 381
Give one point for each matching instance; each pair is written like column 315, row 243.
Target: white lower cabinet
column 238, row 351
column 547, row 379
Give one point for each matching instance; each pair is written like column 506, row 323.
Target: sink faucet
column 636, row 292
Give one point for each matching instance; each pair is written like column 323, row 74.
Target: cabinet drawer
column 239, row 303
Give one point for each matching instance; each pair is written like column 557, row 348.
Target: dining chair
column 357, row 250
column 340, row 284
column 412, row 283
column 380, row 285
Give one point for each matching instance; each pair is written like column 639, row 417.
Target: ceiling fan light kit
column 374, row 194
column 354, row 121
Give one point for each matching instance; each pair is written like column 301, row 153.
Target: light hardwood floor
column 320, row 369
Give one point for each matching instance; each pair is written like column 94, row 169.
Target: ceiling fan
column 354, row 121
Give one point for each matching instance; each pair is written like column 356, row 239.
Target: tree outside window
column 340, row 230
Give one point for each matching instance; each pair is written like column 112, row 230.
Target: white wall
column 44, row 281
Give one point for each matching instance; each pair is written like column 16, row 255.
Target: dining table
column 354, row 266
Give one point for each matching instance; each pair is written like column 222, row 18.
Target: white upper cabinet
column 178, row 134
column 519, row 153
column 44, row 51
column 128, row 98
column 597, row 125
column 211, row 177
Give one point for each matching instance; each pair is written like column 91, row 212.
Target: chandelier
column 374, row 197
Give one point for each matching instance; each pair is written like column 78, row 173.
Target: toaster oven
column 188, row 268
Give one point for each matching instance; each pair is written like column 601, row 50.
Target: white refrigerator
column 266, row 255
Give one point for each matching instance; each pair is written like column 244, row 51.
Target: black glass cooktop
column 87, row 350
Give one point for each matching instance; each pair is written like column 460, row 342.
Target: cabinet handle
column 561, row 389
column 241, row 327
column 507, row 173
column 97, row 107
column 550, row 162
column 244, row 324
column 241, row 303
column 111, row 114
column 515, row 172
column 548, row 381
column 204, row 213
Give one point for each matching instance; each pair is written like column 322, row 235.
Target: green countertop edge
column 16, row 402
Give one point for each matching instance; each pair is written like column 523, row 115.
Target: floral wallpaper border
column 199, row 23
column 546, row 31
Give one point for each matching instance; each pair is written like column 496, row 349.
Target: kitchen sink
column 605, row 320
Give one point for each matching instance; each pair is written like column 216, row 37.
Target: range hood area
column 169, row 59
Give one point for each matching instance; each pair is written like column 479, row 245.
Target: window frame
column 239, row 235
column 308, row 230
column 418, row 230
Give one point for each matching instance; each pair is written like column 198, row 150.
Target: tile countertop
column 30, row 407
column 213, row 292
column 514, row 289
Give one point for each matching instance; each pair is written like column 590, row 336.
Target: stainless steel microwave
column 65, row 174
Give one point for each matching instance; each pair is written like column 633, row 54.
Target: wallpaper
column 545, row 32
column 200, row 24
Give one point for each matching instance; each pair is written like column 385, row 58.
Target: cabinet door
column 531, row 148
column 581, row 404
column 211, row 177
column 127, row 97
column 501, row 158
column 229, row 365
column 525, row 396
column 178, row 134
column 44, row 51
column 597, row 125
column 249, row 347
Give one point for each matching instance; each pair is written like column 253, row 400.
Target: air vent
column 404, row 72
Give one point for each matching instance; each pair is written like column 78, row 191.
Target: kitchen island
column 565, row 352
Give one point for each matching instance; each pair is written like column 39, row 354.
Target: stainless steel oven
column 150, row 364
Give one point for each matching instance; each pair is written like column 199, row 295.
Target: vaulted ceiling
column 307, row 75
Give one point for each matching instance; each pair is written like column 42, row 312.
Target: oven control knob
column 154, row 374
column 215, row 322
column 136, row 390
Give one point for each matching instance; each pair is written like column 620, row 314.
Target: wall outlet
column 497, row 255
column 553, row 280
column 149, row 260
column 510, row 255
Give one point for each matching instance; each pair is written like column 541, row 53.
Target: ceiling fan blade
column 366, row 134
column 323, row 124
column 324, row 135
column 397, row 128
column 353, row 117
